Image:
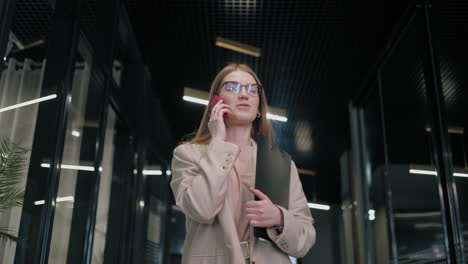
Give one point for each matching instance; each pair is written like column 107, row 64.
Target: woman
column 213, row 176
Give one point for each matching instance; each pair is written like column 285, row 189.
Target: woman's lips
column 243, row 106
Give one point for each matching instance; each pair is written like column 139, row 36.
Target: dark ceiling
column 315, row 54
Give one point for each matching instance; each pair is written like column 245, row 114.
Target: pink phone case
column 213, row 102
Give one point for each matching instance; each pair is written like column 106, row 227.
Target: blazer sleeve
column 199, row 181
column 298, row 235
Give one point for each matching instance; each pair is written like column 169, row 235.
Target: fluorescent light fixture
column 277, row 118
column 168, row 172
column 35, row 101
column 451, row 130
column 201, row 97
column 59, row 199
column 306, row 172
column 427, row 225
column 39, row 202
column 196, row 96
column 427, row 172
column 457, row 174
column 237, row 46
column 371, row 215
column 65, row 199
column 72, row 167
column 152, row 172
column 277, row 114
column 413, row 215
column 75, row 133
column 319, row 206
column 195, row 100
column 430, row 172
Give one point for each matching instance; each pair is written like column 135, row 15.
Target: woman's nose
column 243, row 95
column 243, row 92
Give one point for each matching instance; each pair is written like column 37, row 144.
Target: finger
column 259, row 194
column 252, row 204
column 251, row 217
column 251, row 211
column 224, row 111
column 215, row 111
column 222, row 107
column 256, row 223
column 218, row 103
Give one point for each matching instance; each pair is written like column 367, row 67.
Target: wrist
column 280, row 220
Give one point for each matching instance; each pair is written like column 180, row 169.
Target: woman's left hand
column 263, row 213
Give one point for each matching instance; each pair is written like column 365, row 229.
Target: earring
column 259, row 114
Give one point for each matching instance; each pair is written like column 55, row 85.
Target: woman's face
column 244, row 106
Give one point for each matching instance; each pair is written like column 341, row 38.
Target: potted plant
column 12, row 164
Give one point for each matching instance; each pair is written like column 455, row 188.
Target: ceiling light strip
column 72, row 167
column 319, row 206
column 35, row 101
column 428, row 172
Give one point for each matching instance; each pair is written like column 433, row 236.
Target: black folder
column 272, row 176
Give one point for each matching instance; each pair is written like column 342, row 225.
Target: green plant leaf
column 12, row 165
column 7, row 236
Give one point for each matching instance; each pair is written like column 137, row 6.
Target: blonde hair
column 260, row 127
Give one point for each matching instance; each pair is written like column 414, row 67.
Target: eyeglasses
column 232, row 87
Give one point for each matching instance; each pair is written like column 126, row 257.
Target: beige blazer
column 200, row 174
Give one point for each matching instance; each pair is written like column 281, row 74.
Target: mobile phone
column 214, row 100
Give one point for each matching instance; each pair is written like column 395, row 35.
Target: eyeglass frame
column 260, row 87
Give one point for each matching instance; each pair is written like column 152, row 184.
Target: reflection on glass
column 155, row 208
column 416, row 211
column 379, row 247
column 72, row 164
column 21, row 76
column 453, row 58
column 102, row 214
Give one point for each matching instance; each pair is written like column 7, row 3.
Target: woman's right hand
column 216, row 123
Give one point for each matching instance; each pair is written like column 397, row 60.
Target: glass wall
column 66, row 121
column 102, row 215
column 378, row 217
column 399, row 157
column 416, row 207
column 451, row 43
column 21, row 95
column 77, row 178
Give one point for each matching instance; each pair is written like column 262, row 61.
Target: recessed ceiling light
column 75, row 133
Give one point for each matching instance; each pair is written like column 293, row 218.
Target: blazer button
column 224, row 167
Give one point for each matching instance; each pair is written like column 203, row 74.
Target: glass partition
column 21, row 95
column 416, row 207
